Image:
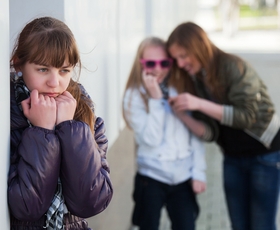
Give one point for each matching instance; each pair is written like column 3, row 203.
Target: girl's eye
column 65, row 71
column 43, row 69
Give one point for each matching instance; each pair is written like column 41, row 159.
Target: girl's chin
column 191, row 72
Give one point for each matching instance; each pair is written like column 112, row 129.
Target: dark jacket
column 246, row 103
column 39, row 156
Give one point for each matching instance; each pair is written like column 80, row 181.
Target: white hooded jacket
column 166, row 150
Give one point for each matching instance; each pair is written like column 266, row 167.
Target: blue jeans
column 150, row 196
column 252, row 188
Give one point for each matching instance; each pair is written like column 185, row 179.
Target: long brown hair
column 195, row 40
column 135, row 81
column 49, row 41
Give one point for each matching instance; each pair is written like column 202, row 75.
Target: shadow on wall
column 121, row 157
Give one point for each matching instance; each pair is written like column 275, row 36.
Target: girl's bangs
column 54, row 51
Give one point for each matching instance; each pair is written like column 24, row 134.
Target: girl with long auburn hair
column 230, row 92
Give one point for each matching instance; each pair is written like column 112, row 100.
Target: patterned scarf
column 165, row 93
column 21, row 92
column 164, row 88
column 54, row 216
column 56, row 211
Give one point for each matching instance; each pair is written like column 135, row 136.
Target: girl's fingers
column 178, row 107
column 171, row 100
column 34, row 95
column 64, row 96
column 67, row 94
column 25, row 104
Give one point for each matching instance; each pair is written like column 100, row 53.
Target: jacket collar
column 18, row 120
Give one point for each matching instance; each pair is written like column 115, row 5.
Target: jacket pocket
column 270, row 159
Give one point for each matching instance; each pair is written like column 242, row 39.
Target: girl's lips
column 51, row 94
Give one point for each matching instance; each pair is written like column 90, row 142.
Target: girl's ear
column 15, row 61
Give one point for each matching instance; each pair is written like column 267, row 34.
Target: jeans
column 150, row 196
column 252, row 188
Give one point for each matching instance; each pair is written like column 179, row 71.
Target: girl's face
column 185, row 60
column 155, row 62
column 48, row 80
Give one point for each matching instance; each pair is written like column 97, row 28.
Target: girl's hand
column 152, row 86
column 184, row 101
column 198, row 186
column 66, row 107
column 40, row 110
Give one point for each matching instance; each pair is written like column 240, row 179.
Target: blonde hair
column 49, row 41
column 135, row 81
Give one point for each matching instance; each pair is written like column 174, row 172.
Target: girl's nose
column 158, row 67
column 180, row 63
column 53, row 80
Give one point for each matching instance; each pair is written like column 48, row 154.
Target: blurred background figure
column 278, row 11
column 170, row 159
column 231, row 92
column 230, row 16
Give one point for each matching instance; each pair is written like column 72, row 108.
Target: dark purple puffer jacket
column 39, row 156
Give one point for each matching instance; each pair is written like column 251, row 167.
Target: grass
column 247, row 11
column 259, row 27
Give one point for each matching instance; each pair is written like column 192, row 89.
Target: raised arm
column 148, row 126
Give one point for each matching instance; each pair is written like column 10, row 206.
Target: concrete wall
column 5, row 114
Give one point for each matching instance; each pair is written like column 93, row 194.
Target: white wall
column 22, row 12
column 5, row 111
column 108, row 33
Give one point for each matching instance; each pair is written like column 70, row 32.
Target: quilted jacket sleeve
column 246, row 92
column 84, row 172
column 34, row 171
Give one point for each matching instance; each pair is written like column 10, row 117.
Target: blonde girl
column 170, row 159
